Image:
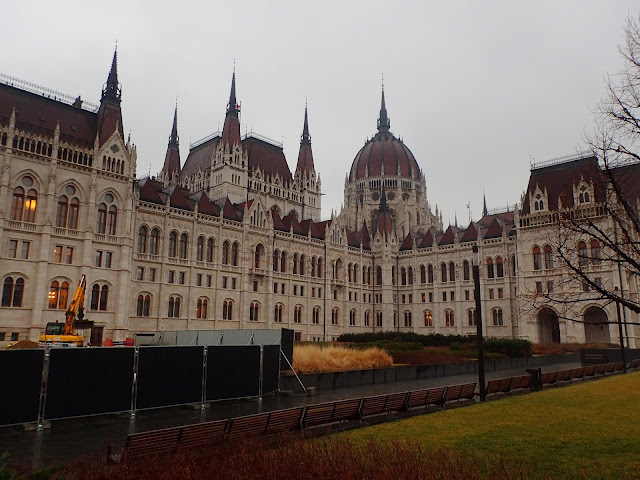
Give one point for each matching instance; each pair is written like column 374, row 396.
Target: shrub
column 313, row 358
column 392, row 346
column 510, row 347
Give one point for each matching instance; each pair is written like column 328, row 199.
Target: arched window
column 499, row 267
column 297, row 314
column 596, row 252
column 209, row 254
column 393, row 275
column 112, row 220
column 154, row 240
column 200, row 249
column 74, row 211
column 352, row 317
column 410, row 275
column 428, row 318
column 225, row 252
column 54, row 293
column 403, row 276
column 254, row 312
column 548, row 257
column 101, row 223
column 30, row 206
column 99, row 297
column 201, row 308
column 490, row 271
column 513, row 265
column 335, row 316
column 227, row 310
column 407, row 319
column 430, row 274
column 95, row 297
column 583, row 255
column 449, row 318
column 314, row 268
column 537, row 260
column 315, row 315
column 104, row 296
column 17, row 204
column 355, row 272
column 367, row 318
column 173, row 241
column 295, row 264
column 319, row 267
column 350, row 272
column 184, row 239
column 452, row 272
column 142, row 239
column 139, row 305
column 12, row 292
column 276, row 260
column 443, row 272
column 423, row 274
column 471, row 316
column 174, row 307
column 234, row 253
column 61, row 213
column 302, row 261
column 497, row 316
column 64, row 296
column 283, row 262
column 466, row 270
column 378, row 275
column 146, row 310
column 277, row 313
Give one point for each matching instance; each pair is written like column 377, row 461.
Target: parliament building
column 232, row 238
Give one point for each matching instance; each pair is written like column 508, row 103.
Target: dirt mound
column 24, row 344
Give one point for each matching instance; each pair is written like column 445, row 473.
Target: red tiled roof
column 269, row 158
column 427, row 240
column 109, row 118
column 172, row 160
column 449, row 236
column 199, row 157
column 318, row 229
column 305, row 159
column 494, row 231
column 384, row 149
column 470, row 234
column 278, row 224
column 229, row 212
column 407, row 244
column 179, row 199
column 206, row 207
column 38, row 114
column 151, row 191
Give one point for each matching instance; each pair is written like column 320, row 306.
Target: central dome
column 384, row 154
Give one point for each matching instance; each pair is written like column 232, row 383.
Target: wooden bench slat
column 201, row 434
column 248, row 425
column 417, row 398
column 589, row 371
column 548, row 378
column 373, row 405
column 285, row 420
column 435, row 396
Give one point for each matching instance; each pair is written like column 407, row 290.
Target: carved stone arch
column 38, row 183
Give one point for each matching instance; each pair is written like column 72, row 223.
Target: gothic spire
column 383, row 200
column 231, row 128
column 305, row 155
column 485, row 212
column 174, row 139
column 112, row 91
column 172, row 158
column 383, row 121
column 232, row 106
column 306, row 138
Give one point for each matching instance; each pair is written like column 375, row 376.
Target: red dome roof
column 384, row 151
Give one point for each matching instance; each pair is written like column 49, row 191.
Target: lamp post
column 623, row 356
column 479, row 338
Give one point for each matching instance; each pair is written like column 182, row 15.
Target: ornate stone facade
column 232, row 239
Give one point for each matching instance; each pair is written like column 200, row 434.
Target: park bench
column 153, row 443
column 333, row 412
column 265, row 423
column 548, row 378
column 435, row 396
column 202, row 434
column 499, row 385
column 381, row 404
column 521, row 382
column 417, row 398
column 618, row 366
column 601, row 368
column 589, row 371
column 563, row 376
column 610, row 367
column 577, row 373
column 456, row 393
column 635, row 363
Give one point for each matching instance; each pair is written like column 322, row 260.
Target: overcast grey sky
column 476, row 89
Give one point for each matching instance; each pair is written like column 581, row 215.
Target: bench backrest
column 152, row 444
column 202, row 434
column 326, row 413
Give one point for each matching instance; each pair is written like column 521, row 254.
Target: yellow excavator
column 64, row 334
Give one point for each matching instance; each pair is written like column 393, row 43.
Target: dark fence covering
column 89, row 381
column 270, row 368
column 286, row 343
column 21, row 384
column 233, row 372
column 169, row 375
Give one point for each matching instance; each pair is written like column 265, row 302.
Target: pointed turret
column 384, row 221
column 485, row 212
column 172, row 158
column 383, row 121
column 109, row 113
column 231, row 129
column 305, row 156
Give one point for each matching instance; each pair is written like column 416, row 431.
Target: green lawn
column 591, row 427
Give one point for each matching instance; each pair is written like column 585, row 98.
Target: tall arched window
column 30, row 206
column 297, row 314
column 142, row 239
column 596, row 252
column 471, row 317
column 497, row 316
column 548, row 257
column 154, row 241
column 313, row 273
column 423, row 274
column 201, row 308
column 295, row 264
column 173, row 244
column 410, row 275
column 139, row 305
column 64, row 296
column 499, row 267
column 12, row 292
column 99, row 297
column 378, row 275
column 184, row 239
column 352, row 317
column 283, row 262
column 449, row 319
column 227, row 310
column 17, row 204
column 583, row 255
column 112, row 220
column 428, row 318
column 209, row 254
column 95, row 297
column 430, row 274
column 174, row 307
column 407, row 319
column 254, row 312
column 319, row 267
column 335, row 316
column 490, row 271
column 443, row 272
column 393, row 275
column 257, row 255
column 101, row 223
column 277, row 313
column 356, row 268
column 452, row 272
column 200, row 249
column 315, row 316
column 302, row 262
column 465, row 270
column 74, row 212
column 225, row 252
column 104, row 296
column 537, row 260
column 403, row 276
column 54, row 293
column 61, row 213
column 234, row 253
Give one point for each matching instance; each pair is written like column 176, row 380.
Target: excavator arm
column 77, row 302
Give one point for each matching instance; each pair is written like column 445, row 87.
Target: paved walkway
column 91, row 435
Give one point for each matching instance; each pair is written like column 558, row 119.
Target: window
column 140, row 273
column 466, row 295
column 275, row 260
column 548, row 257
column 174, row 307
column 112, row 220
column 107, row 259
column 537, row 261
column 209, row 278
column 198, row 279
column 452, row 296
column 491, row 294
column 295, row 264
column 283, row 262
column 297, row 314
column 315, row 315
column 12, row 292
column 497, row 316
column 254, row 310
column 201, row 308
column 200, row 249
column 225, row 252
column 499, row 267
column 378, row 318
column 209, row 252
column 142, row 239
column 378, row 275
column 490, row 271
column 67, row 211
column 277, row 313
column 430, row 274
column 444, row 296
column 596, row 253
column 57, row 253
column 352, row 318
column 302, row 262
column 98, row 262
column 143, row 305
column 431, row 297
column 99, row 297
column 173, row 241
column 539, row 287
column 550, row 286
column 184, row 239
column 181, row 278
column 443, row 272
column 68, row 256
column 17, row 204
column 465, row 270
column 367, row 318
column 471, row 315
column 403, row 276
column 452, row 272
column 449, row 318
column 154, row 241
column 227, row 310
column 234, row 253
column 335, row 316
column 61, row 213
column 583, row 255
column 407, row 319
column 58, row 295
column 428, row 318
column 13, row 249
column 259, row 250
column 172, row 275
column 500, row 292
column 107, row 216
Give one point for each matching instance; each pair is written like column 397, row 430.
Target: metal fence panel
column 22, row 382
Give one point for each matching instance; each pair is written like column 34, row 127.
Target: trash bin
column 536, row 378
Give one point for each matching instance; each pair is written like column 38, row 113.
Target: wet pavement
column 71, row 438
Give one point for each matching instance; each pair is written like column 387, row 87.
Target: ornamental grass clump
column 315, row 358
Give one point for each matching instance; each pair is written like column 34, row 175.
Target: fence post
column 43, row 391
column 261, row 370
column 134, row 385
column 204, row 377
